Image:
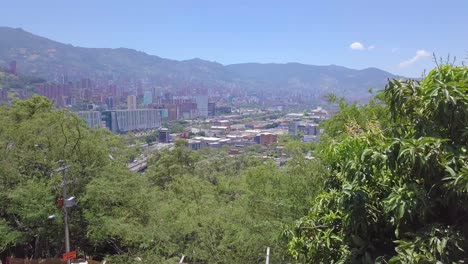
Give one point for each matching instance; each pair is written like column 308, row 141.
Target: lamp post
column 63, row 168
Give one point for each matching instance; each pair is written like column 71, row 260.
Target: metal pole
column 65, row 210
column 65, row 215
column 182, row 259
column 268, row 255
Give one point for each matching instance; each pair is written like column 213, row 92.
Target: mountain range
column 48, row 59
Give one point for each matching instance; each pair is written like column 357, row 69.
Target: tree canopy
column 399, row 183
column 207, row 205
column 387, row 183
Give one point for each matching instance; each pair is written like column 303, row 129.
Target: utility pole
column 268, row 256
column 63, row 169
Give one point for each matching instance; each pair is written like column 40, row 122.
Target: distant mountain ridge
column 50, row 59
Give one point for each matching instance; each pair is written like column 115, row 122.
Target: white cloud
column 371, row 47
column 356, row 46
column 419, row 55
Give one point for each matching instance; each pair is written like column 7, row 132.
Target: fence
column 46, row 261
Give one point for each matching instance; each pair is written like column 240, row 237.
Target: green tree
column 33, row 138
column 207, row 205
column 153, row 137
column 177, row 128
column 398, row 186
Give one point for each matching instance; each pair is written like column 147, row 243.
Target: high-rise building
column 131, row 102
column 173, row 111
column 202, row 105
column 85, row 83
column 54, row 91
column 92, row 118
column 187, row 109
column 147, row 98
column 64, row 79
column 293, row 128
column 127, row 120
column 110, row 102
column 211, row 109
column 87, row 94
column 164, row 114
column 139, row 88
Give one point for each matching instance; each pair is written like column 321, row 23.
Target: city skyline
column 396, row 36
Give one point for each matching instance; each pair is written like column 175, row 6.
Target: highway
column 140, row 164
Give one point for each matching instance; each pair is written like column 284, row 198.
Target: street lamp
column 63, row 168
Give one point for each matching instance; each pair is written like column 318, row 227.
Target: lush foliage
column 387, row 184
column 207, row 205
column 33, row 138
column 398, row 191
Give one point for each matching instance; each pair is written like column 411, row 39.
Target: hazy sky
column 398, row 36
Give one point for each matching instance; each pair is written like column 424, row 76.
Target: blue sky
column 397, row 36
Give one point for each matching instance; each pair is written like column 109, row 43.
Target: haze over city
column 233, row 132
column 396, row 36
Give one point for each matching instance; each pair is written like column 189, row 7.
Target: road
column 140, row 164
